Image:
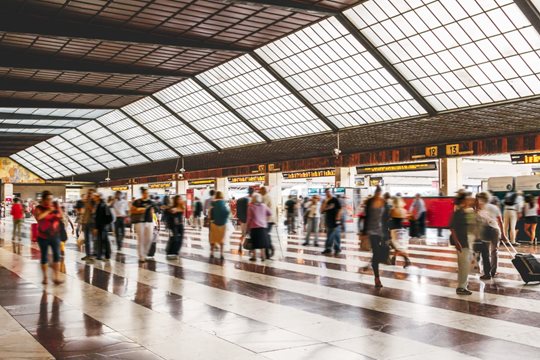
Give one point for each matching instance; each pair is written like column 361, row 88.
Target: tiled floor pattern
column 300, row 305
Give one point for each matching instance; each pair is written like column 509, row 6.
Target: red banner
column 438, row 210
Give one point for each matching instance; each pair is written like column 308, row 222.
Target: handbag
column 248, row 243
column 365, row 243
column 206, row 222
column 63, row 232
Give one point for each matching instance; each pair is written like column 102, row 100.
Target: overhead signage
column 376, row 181
column 309, row 174
column 420, row 166
column 247, row 179
column 120, row 188
column 201, row 182
column 429, row 152
column 456, row 150
column 274, row 168
column 525, row 158
column 321, row 191
column 160, row 185
column 257, row 169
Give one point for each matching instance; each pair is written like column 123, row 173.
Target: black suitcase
column 526, row 264
column 173, row 246
column 152, row 250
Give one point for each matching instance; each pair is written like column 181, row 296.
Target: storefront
column 238, row 185
column 302, row 183
column 162, row 189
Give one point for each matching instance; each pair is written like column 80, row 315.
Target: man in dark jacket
column 103, row 219
column 241, row 213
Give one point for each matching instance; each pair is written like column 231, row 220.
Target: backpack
column 510, row 199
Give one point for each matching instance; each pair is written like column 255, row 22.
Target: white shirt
column 313, row 209
column 491, row 214
column 530, row 211
column 267, row 200
column 120, row 208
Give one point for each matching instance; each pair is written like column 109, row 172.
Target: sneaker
column 305, row 244
column 485, row 277
column 327, row 251
column 316, row 245
column 150, row 258
column 337, row 252
column 461, row 291
column 172, row 257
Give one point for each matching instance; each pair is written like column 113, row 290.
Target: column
column 345, row 176
column 222, row 184
column 273, row 184
column 450, row 175
column 8, row 191
column 181, row 187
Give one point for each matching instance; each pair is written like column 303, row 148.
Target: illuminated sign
column 202, row 182
column 421, row 166
column 376, row 181
column 248, row 178
column 160, row 185
column 309, row 174
column 432, row 151
column 273, row 168
column 120, row 188
column 455, row 150
column 257, row 169
column 530, row 158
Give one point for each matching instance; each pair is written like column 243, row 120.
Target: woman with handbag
column 49, row 219
column 218, row 215
column 397, row 215
column 374, row 227
column 257, row 223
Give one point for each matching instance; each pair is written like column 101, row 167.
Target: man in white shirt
column 120, row 208
column 491, row 231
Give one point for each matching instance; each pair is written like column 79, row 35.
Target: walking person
column 374, row 227
column 66, row 221
column 267, row 200
column 257, row 225
column 103, row 218
column 397, row 216
column 313, row 214
column 530, row 214
column 17, row 213
column 88, row 224
column 332, row 211
column 418, row 213
column 292, row 212
column 242, row 205
column 197, row 213
column 176, row 226
column 490, row 232
column 49, row 217
column 142, row 212
column 511, row 216
column 120, row 208
column 462, row 228
column 219, row 215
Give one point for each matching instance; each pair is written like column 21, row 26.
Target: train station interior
column 254, row 180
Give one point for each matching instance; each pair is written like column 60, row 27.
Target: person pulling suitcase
column 176, row 227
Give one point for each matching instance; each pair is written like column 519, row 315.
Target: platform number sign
column 432, row 151
column 452, row 150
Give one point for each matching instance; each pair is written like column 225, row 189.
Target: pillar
column 273, row 184
column 181, row 187
column 222, row 184
column 345, row 176
column 450, row 175
column 8, row 191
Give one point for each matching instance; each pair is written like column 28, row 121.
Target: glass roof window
column 65, row 143
column 167, row 127
column 30, row 157
column 136, row 136
column 333, row 71
column 44, row 152
column 54, row 153
column 456, row 53
column 261, row 99
column 207, row 115
column 57, row 143
column 23, row 158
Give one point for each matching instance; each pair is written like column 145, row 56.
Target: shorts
column 531, row 219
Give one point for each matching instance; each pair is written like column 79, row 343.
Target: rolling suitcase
column 526, row 264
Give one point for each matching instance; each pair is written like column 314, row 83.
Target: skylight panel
column 261, row 99
column 21, row 158
column 486, row 47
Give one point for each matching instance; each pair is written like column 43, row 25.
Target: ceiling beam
column 38, row 26
column 33, row 126
column 66, row 155
column 187, row 123
column 150, row 132
column 289, row 6
column 82, row 151
column 294, row 92
column 101, row 147
column 41, row 167
column 6, row 102
column 531, row 12
column 14, row 58
column 24, row 85
column 231, row 109
column 386, row 64
column 21, row 116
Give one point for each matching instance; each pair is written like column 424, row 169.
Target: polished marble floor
column 300, row 305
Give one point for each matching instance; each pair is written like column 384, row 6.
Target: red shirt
column 17, row 211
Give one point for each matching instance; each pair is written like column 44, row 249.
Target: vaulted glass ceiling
column 378, row 61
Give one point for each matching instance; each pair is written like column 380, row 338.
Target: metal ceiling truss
column 294, row 92
column 185, row 122
column 20, row 116
column 82, row 151
column 37, row 61
column 124, row 142
column 44, row 104
column 33, row 126
column 101, row 147
column 66, row 155
column 351, row 28
column 530, row 11
column 39, row 161
column 160, row 140
column 37, row 26
column 289, row 6
column 47, row 87
column 231, row 109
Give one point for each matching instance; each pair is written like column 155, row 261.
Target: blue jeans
column 88, row 239
column 44, row 248
column 312, row 227
column 333, row 238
